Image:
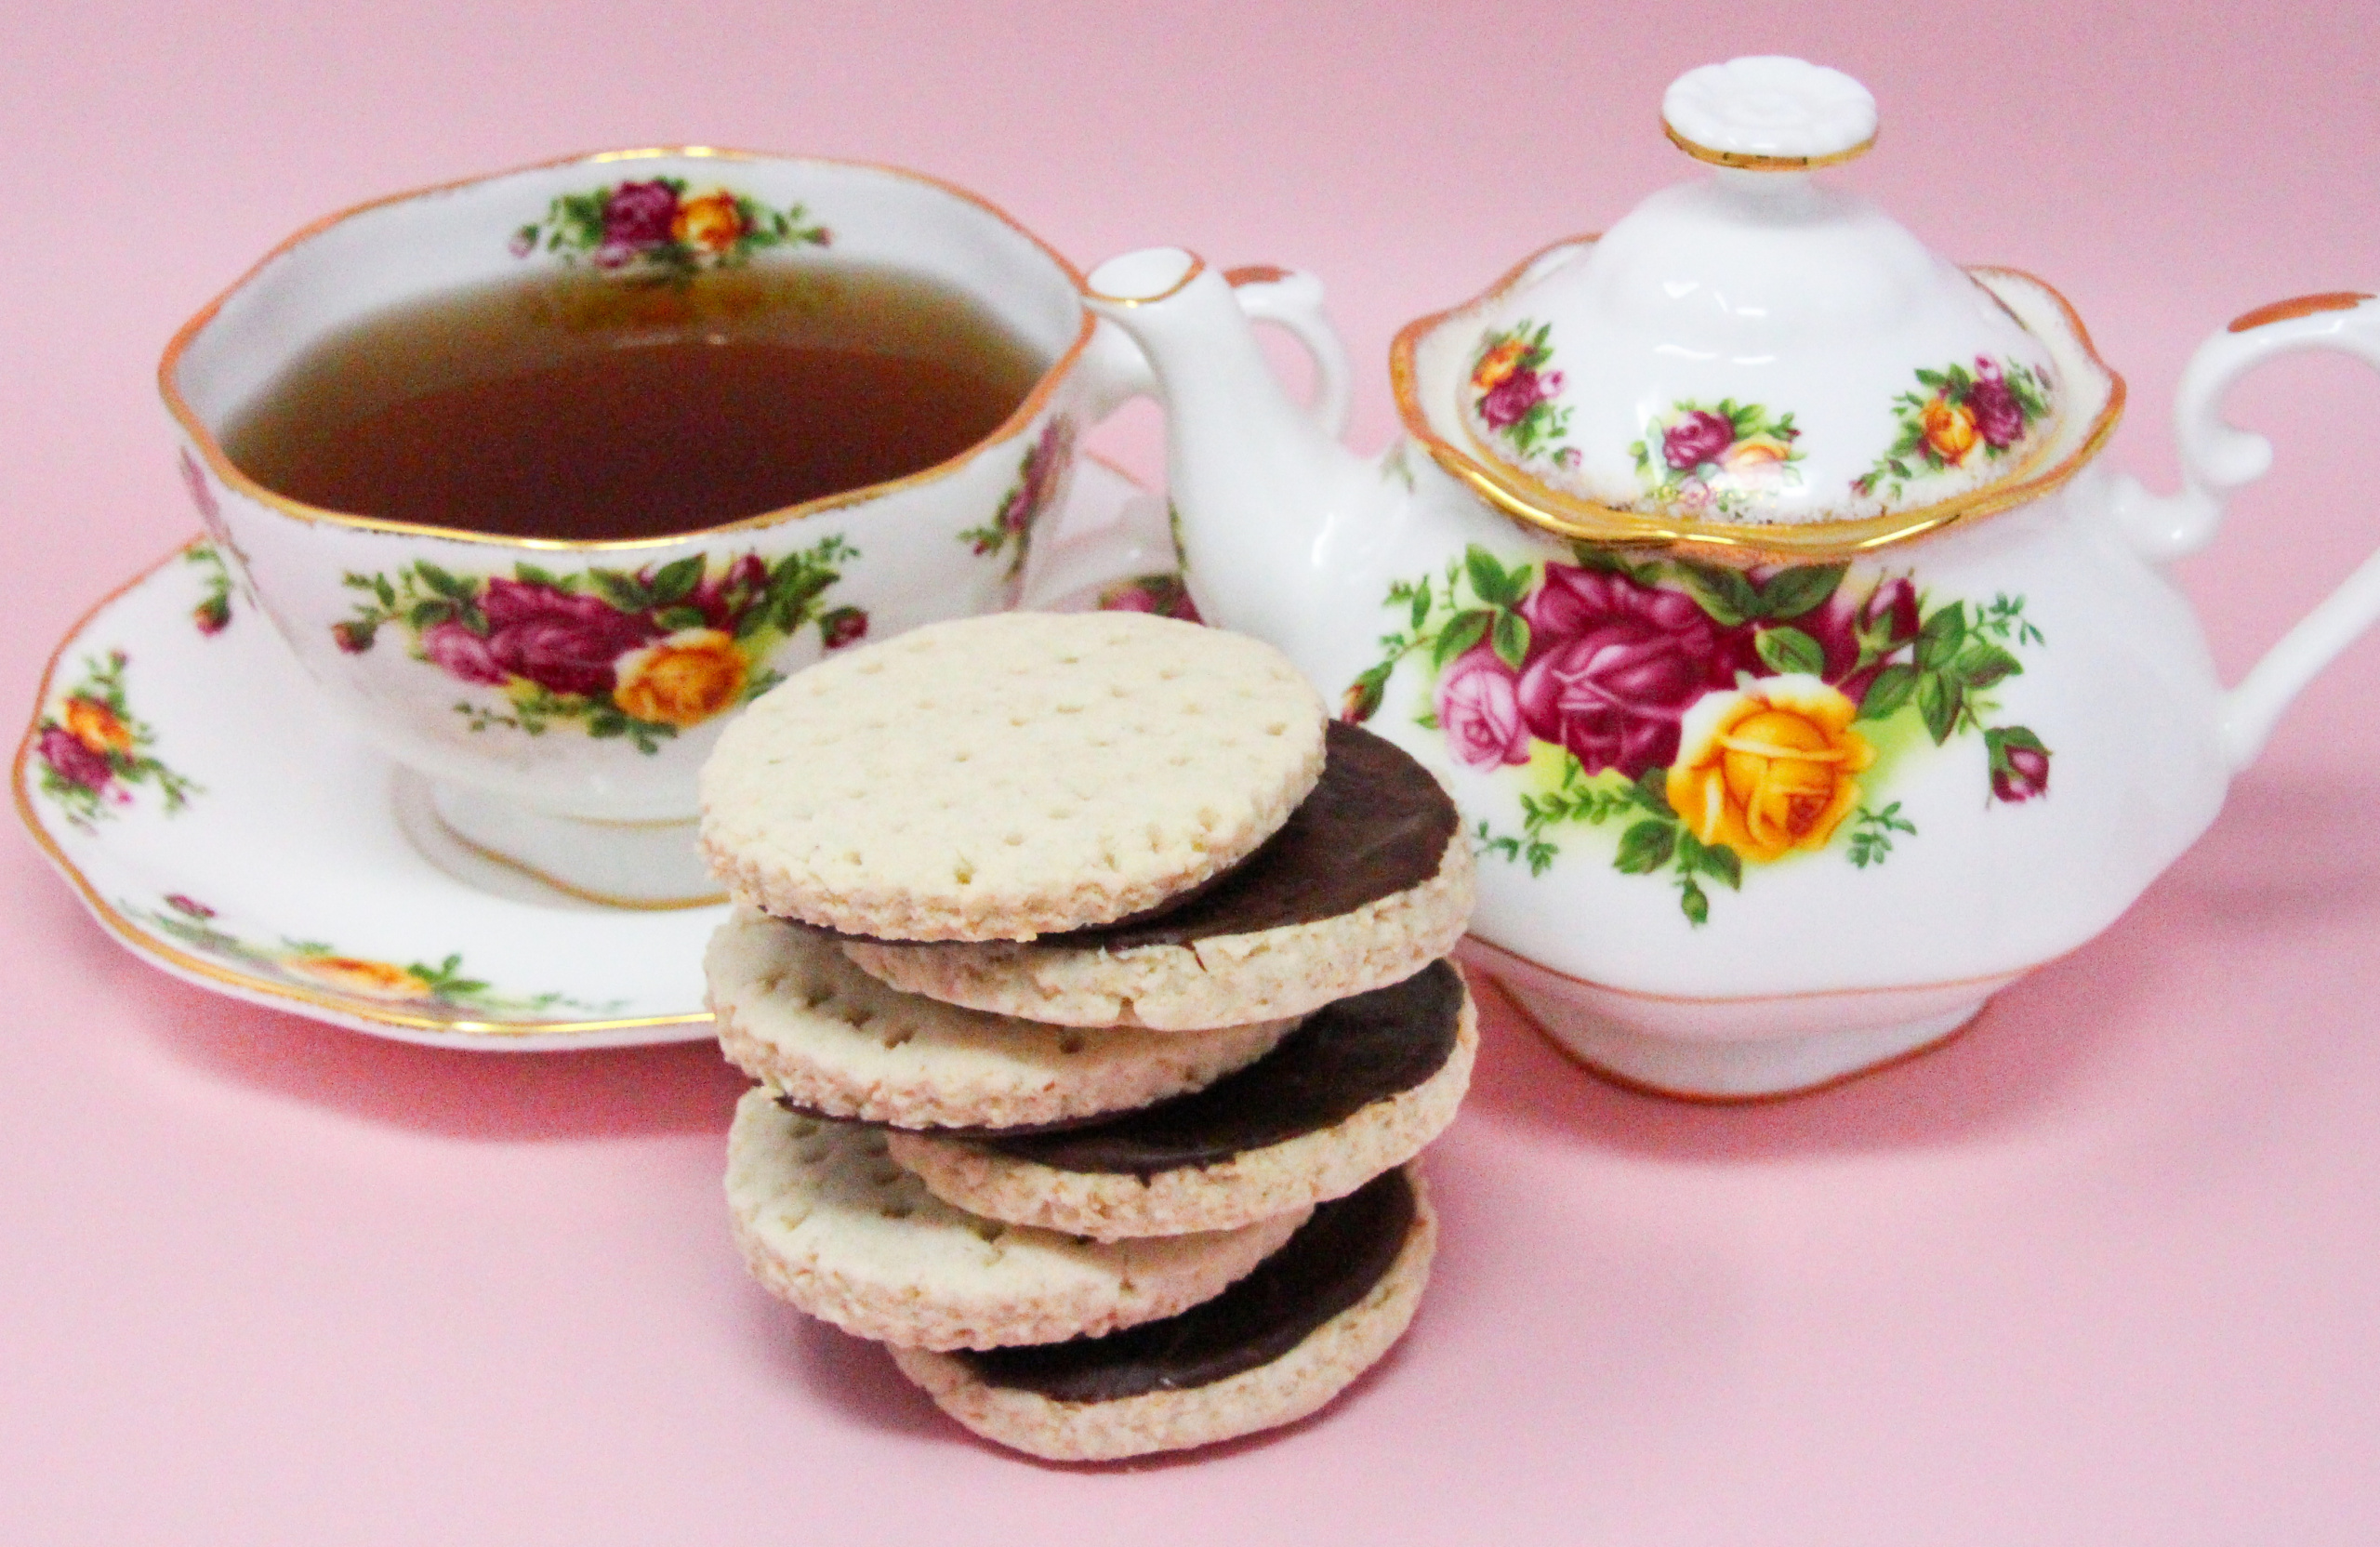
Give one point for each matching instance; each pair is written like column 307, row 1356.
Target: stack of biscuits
column 1095, row 984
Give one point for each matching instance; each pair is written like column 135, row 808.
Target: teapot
column 1748, row 576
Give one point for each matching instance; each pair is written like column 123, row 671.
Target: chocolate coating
column 1331, row 1263
column 1375, row 823
column 1342, row 1058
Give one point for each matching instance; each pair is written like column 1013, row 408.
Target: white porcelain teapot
column 1747, row 576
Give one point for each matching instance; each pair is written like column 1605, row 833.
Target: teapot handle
column 2218, row 457
column 1134, row 547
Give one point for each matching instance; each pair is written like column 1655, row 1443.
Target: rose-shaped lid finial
column 1756, row 359
column 1769, row 113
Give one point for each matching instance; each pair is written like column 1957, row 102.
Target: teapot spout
column 1254, row 479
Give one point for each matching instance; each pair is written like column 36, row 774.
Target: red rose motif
column 461, row 653
column 1615, row 665
column 724, row 598
column 844, row 625
column 1998, row 417
column 1886, row 617
column 2019, row 765
column 75, row 762
column 212, row 615
column 1479, row 710
column 562, row 642
column 353, row 637
column 1699, row 437
column 640, row 213
column 1512, row 398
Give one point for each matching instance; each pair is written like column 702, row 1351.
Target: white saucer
column 242, row 841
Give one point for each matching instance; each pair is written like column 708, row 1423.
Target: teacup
column 559, row 695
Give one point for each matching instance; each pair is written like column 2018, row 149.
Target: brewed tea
column 574, row 406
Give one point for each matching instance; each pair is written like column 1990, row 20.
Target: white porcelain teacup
column 560, row 695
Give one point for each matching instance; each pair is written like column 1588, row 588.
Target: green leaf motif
column 1511, row 639
column 1887, row 690
column 1938, row 640
column 1800, row 590
column 1466, row 631
column 1789, row 650
column 1647, row 846
column 1939, row 698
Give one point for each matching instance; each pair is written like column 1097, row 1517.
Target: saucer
column 181, row 775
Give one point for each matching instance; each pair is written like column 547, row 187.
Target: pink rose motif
column 1479, row 710
column 1510, row 400
column 461, row 653
column 1700, row 437
column 844, row 625
column 183, row 902
column 1998, row 416
column 75, row 762
column 1615, row 665
column 353, row 637
column 562, row 642
column 640, row 215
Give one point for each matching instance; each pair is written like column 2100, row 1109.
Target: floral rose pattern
column 653, row 230
column 441, row 990
column 1959, row 417
column 1029, row 498
column 1716, row 460
column 93, row 753
column 1718, row 717
column 1162, row 593
column 1512, row 393
column 642, row 655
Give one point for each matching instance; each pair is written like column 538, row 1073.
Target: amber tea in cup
column 569, row 405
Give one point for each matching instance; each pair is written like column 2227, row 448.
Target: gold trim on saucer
column 141, row 943
column 201, row 437
column 1576, row 519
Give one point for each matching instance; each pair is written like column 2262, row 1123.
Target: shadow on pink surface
column 2292, row 866
column 857, row 1379
column 616, row 1092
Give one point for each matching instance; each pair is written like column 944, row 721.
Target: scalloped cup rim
column 210, row 450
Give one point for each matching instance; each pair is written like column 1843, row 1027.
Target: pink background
column 2106, row 1271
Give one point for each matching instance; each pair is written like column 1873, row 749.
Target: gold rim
column 1746, row 162
column 145, row 944
column 1575, row 520
column 195, row 430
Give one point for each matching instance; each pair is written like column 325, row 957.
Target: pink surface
column 2103, row 1272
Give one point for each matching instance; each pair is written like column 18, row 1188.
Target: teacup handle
column 2218, row 457
column 1138, row 542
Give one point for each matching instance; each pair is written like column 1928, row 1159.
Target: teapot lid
column 1757, row 361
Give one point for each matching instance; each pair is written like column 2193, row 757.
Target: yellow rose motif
column 1768, row 768
column 682, row 679
column 97, row 727
column 1498, row 363
column 1949, row 429
column 353, row 974
column 1756, row 457
column 711, row 222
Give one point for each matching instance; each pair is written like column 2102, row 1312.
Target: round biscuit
column 1223, row 980
column 1253, row 1184
column 827, row 1223
column 1324, row 1364
column 1000, row 777
column 796, row 1014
